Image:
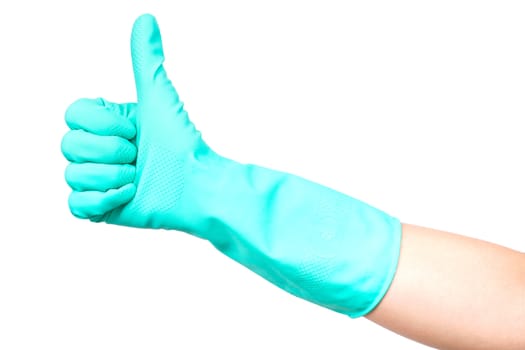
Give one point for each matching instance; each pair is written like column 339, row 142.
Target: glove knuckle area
column 78, row 113
column 100, row 117
column 80, row 146
column 98, row 177
column 68, row 145
column 89, row 204
column 76, row 108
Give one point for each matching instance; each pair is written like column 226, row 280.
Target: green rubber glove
column 145, row 165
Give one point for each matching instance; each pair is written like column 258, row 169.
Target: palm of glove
column 130, row 162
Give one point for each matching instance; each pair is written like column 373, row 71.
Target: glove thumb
column 151, row 80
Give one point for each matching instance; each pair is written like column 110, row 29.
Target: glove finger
column 98, row 177
column 88, row 204
column 101, row 117
column 79, row 146
column 147, row 54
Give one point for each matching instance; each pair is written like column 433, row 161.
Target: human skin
column 455, row 292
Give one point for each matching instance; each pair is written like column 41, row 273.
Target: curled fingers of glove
column 80, row 146
column 98, row 177
column 101, row 117
column 94, row 204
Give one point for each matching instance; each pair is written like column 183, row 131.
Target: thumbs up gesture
column 145, row 165
column 129, row 162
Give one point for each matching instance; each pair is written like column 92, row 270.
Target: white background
column 414, row 107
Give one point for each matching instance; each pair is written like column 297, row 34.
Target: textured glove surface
column 145, row 165
column 129, row 162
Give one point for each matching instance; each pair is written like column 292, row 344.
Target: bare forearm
column 454, row 292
